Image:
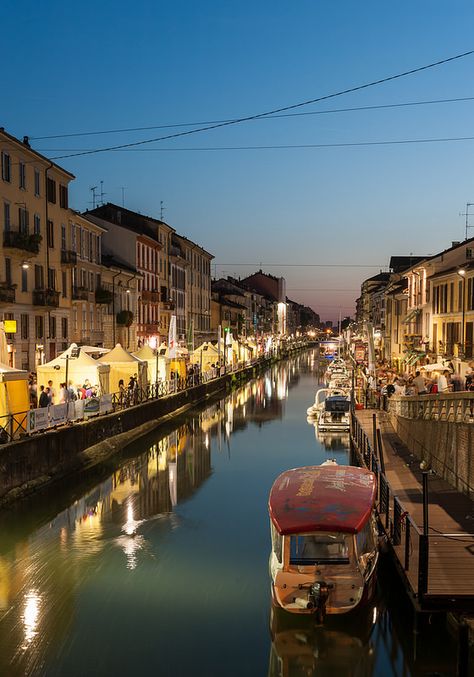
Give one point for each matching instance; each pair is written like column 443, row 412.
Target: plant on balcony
column 125, row 318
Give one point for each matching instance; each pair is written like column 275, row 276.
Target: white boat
column 335, row 414
column 324, row 539
column 319, row 398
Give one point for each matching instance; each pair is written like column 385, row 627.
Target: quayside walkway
column 429, row 525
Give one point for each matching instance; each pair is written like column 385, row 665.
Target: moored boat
column 324, row 539
column 335, row 414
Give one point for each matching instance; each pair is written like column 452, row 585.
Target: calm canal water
column 160, row 565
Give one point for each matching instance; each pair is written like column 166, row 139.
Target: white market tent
column 205, row 355
column 79, row 369
column 123, row 365
column 156, row 364
column 436, row 367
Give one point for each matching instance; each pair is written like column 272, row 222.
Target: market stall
column 80, row 367
column 124, row 365
column 156, row 364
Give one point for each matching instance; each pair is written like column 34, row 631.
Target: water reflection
column 171, row 549
column 300, row 648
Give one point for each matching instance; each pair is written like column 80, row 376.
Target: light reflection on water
column 162, row 567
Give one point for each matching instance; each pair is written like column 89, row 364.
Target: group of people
column 67, row 393
column 421, row 383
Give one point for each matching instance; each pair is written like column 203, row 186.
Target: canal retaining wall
column 48, row 456
column 446, row 445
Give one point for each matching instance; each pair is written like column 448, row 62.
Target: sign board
column 105, row 404
column 359, row 353
column 38, row 419
column 9, row 326
column 58, row 414
column 91, row 406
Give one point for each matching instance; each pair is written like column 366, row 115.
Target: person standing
column 43, row 398
column 419, row 384
column 52, row 392
column 443, row 382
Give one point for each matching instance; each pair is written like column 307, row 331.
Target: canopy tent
column 205, row 355
column 436, row 367
column 123, row 366
column 176, row 365
column 14, row 395
column 79, row 369
column 156, row 364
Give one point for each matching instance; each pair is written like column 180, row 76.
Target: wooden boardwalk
column 439, row 568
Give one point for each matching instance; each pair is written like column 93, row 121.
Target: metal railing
column 409, row 543
column 455, row 407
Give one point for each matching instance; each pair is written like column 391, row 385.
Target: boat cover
column 322, row 498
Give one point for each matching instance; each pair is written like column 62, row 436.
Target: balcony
column 168, row 305
column 7, row 293
column 68, row 257
column 151, row 296
column 148, row 329
column 46, row 297
column 80, row 294
column 23, row 241
column 103, row 295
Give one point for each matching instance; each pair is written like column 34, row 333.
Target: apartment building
column 198, row 288
column 35, row 214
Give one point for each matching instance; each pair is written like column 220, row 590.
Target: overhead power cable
column 269, row 117
column 282, row 146
column 274, row 111
column 302, row 265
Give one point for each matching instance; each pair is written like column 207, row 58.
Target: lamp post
column 462, row 273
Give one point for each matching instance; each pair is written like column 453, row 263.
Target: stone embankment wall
column 38, row 460
column 447, row 445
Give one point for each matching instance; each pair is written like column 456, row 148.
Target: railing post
column 407, row 544
column 374, row 432
column 397, row 513
column 380, row 450
column 423, row 565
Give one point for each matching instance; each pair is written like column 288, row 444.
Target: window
column 63, row 237
column 8, row 271
column 64, row 327
column 365, row 540
column 90, row 247
column 64, row 284
column 37, row 224
column 22, row 175
column 24, row 326
column 39, row 277
column 91, row 281
column 92, row 319
column 52, row 327
column 6, row 216
column 63, row 199
column 37, row 183
column 6, row 167
column 24, row 279
column 23, row 220
column 321, row 548
column 468, row 252
column 50, row 234
column 51, row 278
column 39, row 326
column 51, row 188
column 73, row 237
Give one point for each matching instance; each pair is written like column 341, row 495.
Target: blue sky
column 114, row 65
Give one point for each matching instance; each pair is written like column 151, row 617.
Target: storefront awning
column 411, row 315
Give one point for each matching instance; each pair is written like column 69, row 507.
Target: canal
column 159, row 564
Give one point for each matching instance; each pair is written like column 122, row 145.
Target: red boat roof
column 322, row 498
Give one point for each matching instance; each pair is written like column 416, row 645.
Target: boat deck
column 442, row 574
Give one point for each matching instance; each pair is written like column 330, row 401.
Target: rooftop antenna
column 102, row 193
column 93, row 189
column 467, row 215
column 123, row 195
column 162, row 209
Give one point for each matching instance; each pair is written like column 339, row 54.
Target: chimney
column 455, row 244
column 26, row 141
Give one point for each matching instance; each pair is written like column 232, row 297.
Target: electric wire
column 269, row 117
column 274, row 111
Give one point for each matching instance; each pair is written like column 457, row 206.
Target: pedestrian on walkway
column 44, row 397
column 443, row 386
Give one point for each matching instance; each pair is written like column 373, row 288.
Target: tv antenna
column 102, row 193
column 162, row 209
column 467, row 215
column 94, row 197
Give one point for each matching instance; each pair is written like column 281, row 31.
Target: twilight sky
column 96, row 66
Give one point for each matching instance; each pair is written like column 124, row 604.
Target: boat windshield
column 323, row 548
column 339, row 405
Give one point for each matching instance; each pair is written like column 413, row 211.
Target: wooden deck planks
column 451, row 559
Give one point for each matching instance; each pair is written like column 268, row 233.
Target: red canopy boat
column 322, row 498
column 324, row 538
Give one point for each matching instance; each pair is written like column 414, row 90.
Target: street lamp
column 462, row 273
